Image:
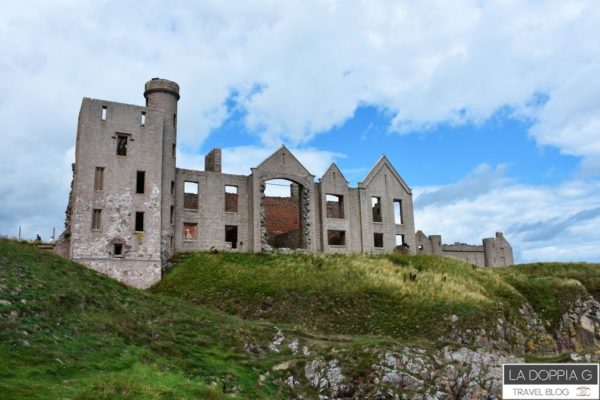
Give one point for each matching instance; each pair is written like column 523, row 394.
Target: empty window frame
column 336, row 238
column 172, row 187
column 139, row 221
column 140, row 182
column 335, row 205
column 172, row 215
column 143, row 118
column 399, row 240
column 122, row 145
column 99, row 179
column 231, row 235
column 231, row 198
column 118, row 250
column 376, row 208
column 174, row 119
column 174, row 150
column 96, row 219
column 189, row 231
column 104, row 113
column 398, row 212
column 190, row 195
column 378, row 240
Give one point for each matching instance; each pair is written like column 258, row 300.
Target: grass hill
column 402, row 296
column 70, row 333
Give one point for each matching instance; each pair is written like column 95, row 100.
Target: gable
column 334, row 175
column 284, row 162
column 384, row 163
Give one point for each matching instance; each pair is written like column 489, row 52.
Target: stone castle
column 130, row 207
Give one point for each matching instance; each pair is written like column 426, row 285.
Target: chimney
column 212, row 161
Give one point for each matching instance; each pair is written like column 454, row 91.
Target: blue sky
column 489, row 110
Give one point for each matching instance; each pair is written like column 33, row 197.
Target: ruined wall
column 383, row 182
column 283, row 213
column 283, row 165
column 96, row 147
column 333, row 182
column 210, row 216
column 494, row 252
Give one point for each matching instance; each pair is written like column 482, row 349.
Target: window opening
column 231, row 232
column 140, row 182
column 335, row 205
column 398, row 212
column 99, row 179
column 378, row 240
column 231, row 198
column 189, row 231
column 139, row 221
column 96, row 219
column 376, row 208
column 336, row 238
column 122, row 145
column 399, row 240
column 117, row 249
column 190, row 195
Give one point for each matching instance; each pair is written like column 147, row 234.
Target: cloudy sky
column 489, row 110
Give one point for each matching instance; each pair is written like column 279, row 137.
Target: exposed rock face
column 580, row 327
column 469, row 369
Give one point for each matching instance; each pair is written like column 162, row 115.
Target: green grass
column 71, row 333
column 365, row 294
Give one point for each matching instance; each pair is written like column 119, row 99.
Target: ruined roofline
column 383, row 160
column 187, row 170
column 333, row 167
column 94, row 100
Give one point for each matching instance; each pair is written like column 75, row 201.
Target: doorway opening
column 283, row 214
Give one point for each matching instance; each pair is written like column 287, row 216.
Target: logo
column 584, row 391
column 551, row 382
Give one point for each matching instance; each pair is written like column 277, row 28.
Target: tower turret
column 162, row 94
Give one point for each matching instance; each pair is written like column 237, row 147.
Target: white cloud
column 543, row 223
column 425, row 63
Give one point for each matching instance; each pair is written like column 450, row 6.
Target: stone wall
column 494, row 252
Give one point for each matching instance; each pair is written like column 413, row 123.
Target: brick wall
column 283, row 214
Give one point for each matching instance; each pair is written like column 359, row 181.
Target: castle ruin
column 130, row 207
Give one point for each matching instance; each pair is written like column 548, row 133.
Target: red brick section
column 231, row 202
column 283, row 214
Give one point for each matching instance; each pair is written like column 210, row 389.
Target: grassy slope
column 72, row 333
column 362, row 294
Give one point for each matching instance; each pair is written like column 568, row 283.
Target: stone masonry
column 131, row 208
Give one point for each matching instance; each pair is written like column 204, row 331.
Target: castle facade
column 130, row 207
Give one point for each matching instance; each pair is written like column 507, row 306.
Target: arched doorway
column 283, row 210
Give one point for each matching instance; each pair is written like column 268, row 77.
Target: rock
column 277, row 340
column 294, row 344
column 291, row 381
column 283, row 366
column 5, row 303
column 252, row 348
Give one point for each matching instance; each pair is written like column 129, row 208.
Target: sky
column 490, row 110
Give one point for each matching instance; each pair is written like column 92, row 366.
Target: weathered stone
column 122, row 141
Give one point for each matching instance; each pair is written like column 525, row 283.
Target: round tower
column 163, row 95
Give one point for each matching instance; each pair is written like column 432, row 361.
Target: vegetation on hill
column 402, row 296
column 69, row 332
